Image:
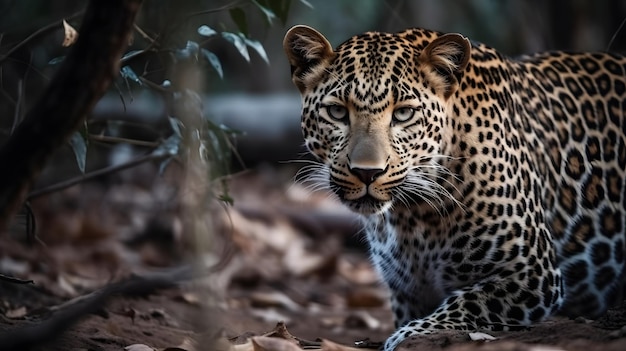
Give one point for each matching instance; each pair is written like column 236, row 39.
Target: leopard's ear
column 306, row 49
column 448, row 55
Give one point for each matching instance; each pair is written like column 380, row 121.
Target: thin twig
column 31, row 226
column 120, row 121
column 13, row 280
column 132, row 56
column 226, row 7
column 108, row 170
column 6, row 95
column 152, row 48
column 619, row 29
column 154, row 86
column 18, row 105
column 30, row 335
column 37, row 34
column 145, row 35
column 117, row 140
column 172, row 28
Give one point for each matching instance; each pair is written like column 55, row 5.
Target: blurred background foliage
column 255, row 95
column 512, row 26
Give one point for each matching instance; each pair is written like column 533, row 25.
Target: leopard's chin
column 367, row 205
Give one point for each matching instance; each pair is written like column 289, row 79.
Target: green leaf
column 130, row 54
column 171, row 145
column 177, row 126
column 239, row 44
column 190, row 51
column 269, row 14
column 280, row 8
column 164, row 165
column 239, row 17
column 231, row 131
column 307, row 4
column 206, row 31
column 192, row 48
column 128, row 73
column 258, row 47
column 214, row 61
column 225, row 197
column 56, row 60
column 79, row 146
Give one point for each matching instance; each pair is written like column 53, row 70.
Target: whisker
column 436, row 190
column 431, row 182
column 313, row 176
column 423, row 193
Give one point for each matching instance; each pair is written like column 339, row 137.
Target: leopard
column 491, row 187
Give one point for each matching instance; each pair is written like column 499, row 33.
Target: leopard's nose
column 367, row 175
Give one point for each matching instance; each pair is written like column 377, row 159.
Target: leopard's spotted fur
column 492, row 189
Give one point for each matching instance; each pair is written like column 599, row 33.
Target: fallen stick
column 25, row 337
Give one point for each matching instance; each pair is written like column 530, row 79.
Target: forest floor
column 286, row 256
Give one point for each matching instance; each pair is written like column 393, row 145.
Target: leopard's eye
column 337, row 112
column 403, row 114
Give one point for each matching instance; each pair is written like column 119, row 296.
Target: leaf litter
column 285, row 259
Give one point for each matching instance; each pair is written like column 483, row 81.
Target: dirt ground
column 286, row 255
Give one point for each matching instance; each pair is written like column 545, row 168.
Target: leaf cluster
column 216, row 141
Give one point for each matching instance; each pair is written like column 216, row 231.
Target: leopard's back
column 578, row 128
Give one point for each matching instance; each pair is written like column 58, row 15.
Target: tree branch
column 29, row 336
column 82, row 79
column 108, row 170
column 41, row 31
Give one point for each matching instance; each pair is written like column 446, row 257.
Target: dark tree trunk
column 80, row 82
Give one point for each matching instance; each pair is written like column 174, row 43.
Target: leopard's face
column 375, row 112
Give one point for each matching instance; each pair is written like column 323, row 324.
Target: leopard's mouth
column 366, row 204
column 364, row 199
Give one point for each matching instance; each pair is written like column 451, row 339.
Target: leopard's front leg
column 492, row 305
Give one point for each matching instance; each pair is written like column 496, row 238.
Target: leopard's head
column 376, row 111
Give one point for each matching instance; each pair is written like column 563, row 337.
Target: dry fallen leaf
column 242, row 347
column 273, row 299
column 70, row 34
column 362, row 319
column 280, row 331
column 332, row 322
column 300, row 261
column 187, row 345
column 481, row 337
column 65, row 285
column 331, row 346
column 191, row 298
column 361, row 273
column 365, row 298
column 138, row 347
column 130, row 313
column 16, row 313
column 265, row 343
column 222, row 344
column 269, row 315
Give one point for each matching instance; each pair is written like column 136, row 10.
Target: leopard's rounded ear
column 448, row 55
column 305, row 48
